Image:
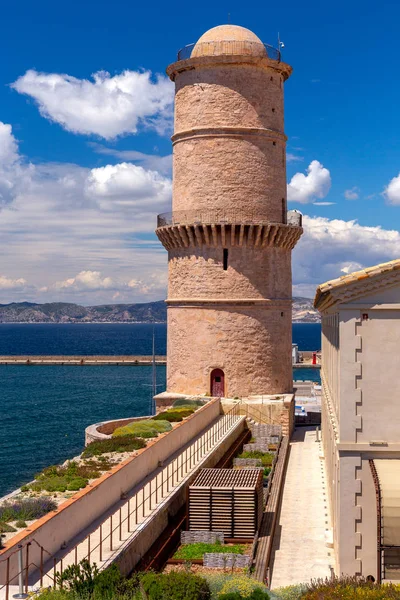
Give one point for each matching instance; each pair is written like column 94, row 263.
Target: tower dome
column 228, row 39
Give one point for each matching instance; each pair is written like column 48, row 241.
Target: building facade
column 229, row 236
column 361, row 417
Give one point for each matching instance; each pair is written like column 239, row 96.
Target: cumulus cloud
column 12, row 284
column 329, row 248
column 161, row 164
column 107, row 106
column 128, row 184
column 60, row 220
column 352, row 194
column 307, row 188
column 290, row 157
column 392, row 191
column 91, row 280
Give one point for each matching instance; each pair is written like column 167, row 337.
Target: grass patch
column 126, row 443
column 71, row 477
column 144, row 429
column 6, row 528
column 175, row 415
column 187, row 403
column 197, row 550
column 266, row 457
column 222, row 584
column 26, row 509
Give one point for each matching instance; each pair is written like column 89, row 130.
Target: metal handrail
column 222, row 216
column 193, row 454
column 229, row 48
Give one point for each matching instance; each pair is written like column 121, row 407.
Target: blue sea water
column 45, row 409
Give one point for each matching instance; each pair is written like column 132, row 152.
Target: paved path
column 299, row 550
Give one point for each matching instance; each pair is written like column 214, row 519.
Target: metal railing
column 139, row 508
column 222, row 216
column 229, row 48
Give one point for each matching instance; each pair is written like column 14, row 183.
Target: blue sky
column 84, row 169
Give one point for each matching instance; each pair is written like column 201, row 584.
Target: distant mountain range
column 151, row 312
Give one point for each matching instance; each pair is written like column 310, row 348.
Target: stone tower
column 229, row 237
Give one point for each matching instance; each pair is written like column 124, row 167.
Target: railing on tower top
column 221, row 217
column 228, row 48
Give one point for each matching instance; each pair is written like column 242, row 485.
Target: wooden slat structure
column 227, row 500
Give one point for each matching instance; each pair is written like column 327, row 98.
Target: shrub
column 175, row 586
column 197, row 550
column 265, row 457
column 243, row 585
column 126, row 443
column 144, row 429
column 349, row 588
column 6, row 528
column 79, row 578
column 290, row 592
column 26, row 509
column 21, row 524
column 256, row 594
column 60, row 478
column 175, row 415
column 187, row 403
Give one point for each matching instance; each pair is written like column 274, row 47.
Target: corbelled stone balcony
column 218, row 228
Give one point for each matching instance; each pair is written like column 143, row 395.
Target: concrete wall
column 141, row 542
column 361, row 388
column 77, row 513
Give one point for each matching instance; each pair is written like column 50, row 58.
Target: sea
column 44, row 410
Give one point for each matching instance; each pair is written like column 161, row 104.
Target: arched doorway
column 217, row 387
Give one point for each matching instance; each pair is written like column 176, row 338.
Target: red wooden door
column 217, row 387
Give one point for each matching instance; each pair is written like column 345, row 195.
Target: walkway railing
column 104, row 539
column 221, row 217
column 229, row 48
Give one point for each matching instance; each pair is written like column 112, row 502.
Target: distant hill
column 150, row 312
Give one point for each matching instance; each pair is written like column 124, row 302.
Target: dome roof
column 228, row 39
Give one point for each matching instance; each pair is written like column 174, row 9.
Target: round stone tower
column 229, row 238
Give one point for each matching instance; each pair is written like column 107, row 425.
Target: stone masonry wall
column 252, row 344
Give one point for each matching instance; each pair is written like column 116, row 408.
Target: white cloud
column 290, row 157
column 128, row 184
column 107, row 106
column 12, row 284
column 392, row 191
column 91, row 280
column 306, row 188
column 60, row 220
column 153, row 162
column 323, row 203
column 329, row 248
column 352, row 194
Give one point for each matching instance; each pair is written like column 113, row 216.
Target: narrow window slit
column 225, row 259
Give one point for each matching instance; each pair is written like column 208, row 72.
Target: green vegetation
column 147, row 428
column 26, row 509
column 175, row 415
column 187, row 403
column 21, row 524
column 6, row 528
column 267, row 471
column 71, row 477
column 196, row 551
column 265, row 457
column 349, row 588
column 83, row 581
column 126, row 443
column 174, row 586
column 242, row 585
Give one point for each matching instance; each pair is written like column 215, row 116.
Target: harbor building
column 361, row 418
column 229, row 236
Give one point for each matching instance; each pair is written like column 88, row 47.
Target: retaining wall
column 76, row 514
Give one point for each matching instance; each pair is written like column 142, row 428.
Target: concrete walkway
column 299, row 551
column 102, row 541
